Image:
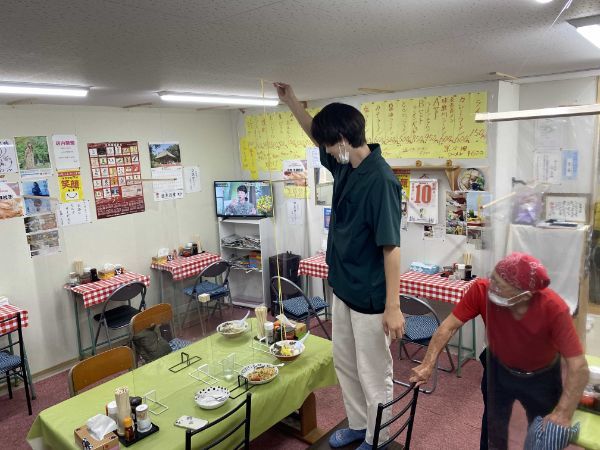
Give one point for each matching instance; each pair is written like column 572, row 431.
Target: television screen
column 243, row 199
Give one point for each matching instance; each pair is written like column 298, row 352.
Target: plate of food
column 211, row 397
column 233, row 328
column 287, row 350
column 259, row 373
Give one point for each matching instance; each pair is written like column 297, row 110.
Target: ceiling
column 128, row 50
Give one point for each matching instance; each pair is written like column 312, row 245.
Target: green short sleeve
column 385, row 215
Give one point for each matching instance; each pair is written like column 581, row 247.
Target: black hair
column 243, row 188
column 339, row 120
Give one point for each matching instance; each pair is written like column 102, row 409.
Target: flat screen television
column 243, row 199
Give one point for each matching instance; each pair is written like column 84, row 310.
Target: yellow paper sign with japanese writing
column 296, row 192
column 428, row 127
column 69, row 183
column 275, row 137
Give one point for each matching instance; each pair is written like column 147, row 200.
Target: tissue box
column 430, row 269
column 110, row 441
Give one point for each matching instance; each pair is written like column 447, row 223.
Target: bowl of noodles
column 287, row 350
column 259, row 373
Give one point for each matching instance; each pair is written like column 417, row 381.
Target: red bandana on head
column 523, row 271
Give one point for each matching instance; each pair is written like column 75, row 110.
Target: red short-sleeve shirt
column 530, row 343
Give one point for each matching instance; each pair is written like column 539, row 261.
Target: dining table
column 170, row 383
column 589, row 423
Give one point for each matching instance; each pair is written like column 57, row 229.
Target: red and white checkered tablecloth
column 7, row 311
column 186, row 267
column 97, row 292
column 315, row 266
column 433, row 287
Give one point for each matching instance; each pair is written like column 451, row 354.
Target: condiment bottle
column 129, row 433
column 269, row 332
column 134, row 402
column 94, row 274
column 112, row 411
column 143, row 421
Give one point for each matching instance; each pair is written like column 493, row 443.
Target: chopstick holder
column 123, row 408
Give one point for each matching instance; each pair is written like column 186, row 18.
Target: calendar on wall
column 116, row 178
column 423, row 201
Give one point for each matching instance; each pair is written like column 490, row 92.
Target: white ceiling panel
column 130, row 49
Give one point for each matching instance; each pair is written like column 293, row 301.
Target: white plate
column 298, row 346
column 233, row 334
column 246, row 371
column 206, row 398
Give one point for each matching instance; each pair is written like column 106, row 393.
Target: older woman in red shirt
column 529, row 328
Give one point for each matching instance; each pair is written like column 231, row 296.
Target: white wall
column 36, row 284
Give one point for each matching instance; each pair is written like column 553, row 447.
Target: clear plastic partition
column 542, row 280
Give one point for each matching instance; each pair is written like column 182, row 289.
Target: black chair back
column 127, row 292
column 414, row 306
column 214, row 270
column 409, row 408
column 232, row 429
column 288, row 287
column 22, row 369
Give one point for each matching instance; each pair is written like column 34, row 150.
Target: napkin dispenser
column 110, row 441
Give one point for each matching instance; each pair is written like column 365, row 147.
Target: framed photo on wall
column 567, row 207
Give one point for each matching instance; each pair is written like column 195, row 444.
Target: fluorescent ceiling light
column 543, row 1
column 589, row 28
column 217, row 99
column 43, row 89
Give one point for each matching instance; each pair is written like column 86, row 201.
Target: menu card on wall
column 8, row 157
column 74, row 213
column 66, row 154
column 116, row 178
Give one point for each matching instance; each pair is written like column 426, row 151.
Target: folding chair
column 298, row 306
column 161, row 315
column 214, row 289
column 406, row 425
column 120, row 316
column 91, row 370
column 15, row 365
column 232, row 429
column 421, row 323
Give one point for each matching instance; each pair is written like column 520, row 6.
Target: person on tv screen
column 241, row 206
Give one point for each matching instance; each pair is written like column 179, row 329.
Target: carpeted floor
column 449, row 419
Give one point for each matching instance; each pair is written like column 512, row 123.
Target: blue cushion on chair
column 8, row 361
column 420, row 327
column 207, row 287
column 297, row 308
column 178, row 344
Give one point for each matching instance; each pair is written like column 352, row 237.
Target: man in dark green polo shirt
column 363, row 254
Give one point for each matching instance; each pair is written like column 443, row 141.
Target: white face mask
column 344, row 154
column 506, row 302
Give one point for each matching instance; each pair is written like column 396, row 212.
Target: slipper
column 365, row 446
column 346, row 436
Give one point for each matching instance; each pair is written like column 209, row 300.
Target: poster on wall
column 33, row 156
column 547, row 167
column 10, row 201
column 550, row 133
column 476, row 215
column 74, row 213
column 423, row 201
column 69, row 184
column 326, row 218
column 165, row 162
column 41, row 203
column 295, row 172
column 66, row 153
column 44, row 243
column 8, row 157
column 172, row 186
column 191, row 178
column 295, row 211
column 116, row 178
column 434, row 232
column 456, row 213
column 42, row 222
column 570, row 165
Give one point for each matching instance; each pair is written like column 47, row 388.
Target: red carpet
column 448, row 419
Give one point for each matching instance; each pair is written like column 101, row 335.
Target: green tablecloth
column 589, row 435
column 271, row 402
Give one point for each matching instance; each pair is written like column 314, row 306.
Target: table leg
column 173, row 302
column 28, row 373
column 160, row 285
column 325, row 298
column 75, row 300
column 306, row 422
column 470, row 351
column 460, row 347
column 91, row 327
